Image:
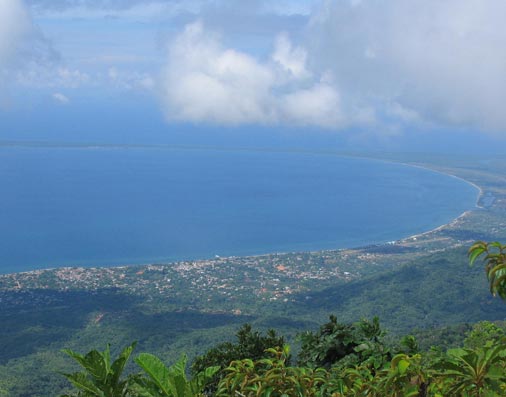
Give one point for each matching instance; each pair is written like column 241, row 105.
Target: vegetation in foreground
column 337, row 360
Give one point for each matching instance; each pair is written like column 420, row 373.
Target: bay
column 100, row 206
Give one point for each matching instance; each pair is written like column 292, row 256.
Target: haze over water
column 110, row 206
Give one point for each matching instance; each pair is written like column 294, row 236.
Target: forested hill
column 428, row 292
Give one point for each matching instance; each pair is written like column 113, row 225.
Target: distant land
column 419, row 282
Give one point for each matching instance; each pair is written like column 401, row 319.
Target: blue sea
column 99, row 206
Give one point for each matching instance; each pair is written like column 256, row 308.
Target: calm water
column 96, row 206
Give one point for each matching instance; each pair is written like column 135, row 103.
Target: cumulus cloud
column 442, row 61
column 206, row 82
column 318, row 105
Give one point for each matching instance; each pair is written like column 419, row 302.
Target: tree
column 475, row 372
column 482, row 332
column 272, row 377
column 250, row 344
column 494, row 256
column 100, row 377
column 170, row 381
column 354, row 343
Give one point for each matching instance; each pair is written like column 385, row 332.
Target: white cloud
column 319, row 105
column 387, row 64
column 291, row 59
column 60, row 98
column 442, row 61
column 205, row 82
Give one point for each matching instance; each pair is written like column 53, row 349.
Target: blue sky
column 344, row 74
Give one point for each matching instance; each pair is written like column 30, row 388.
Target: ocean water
column 109, row 206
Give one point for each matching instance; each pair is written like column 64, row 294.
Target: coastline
column 412, row 237
column 460, row 217
column 424, row 167
column 436, row 229
column 197, row 261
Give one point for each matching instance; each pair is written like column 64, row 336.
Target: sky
column 420, row 75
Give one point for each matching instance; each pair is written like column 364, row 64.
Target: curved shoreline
column 462, row 215
column 290, row 252
column 480, row 189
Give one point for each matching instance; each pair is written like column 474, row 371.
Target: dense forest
column 337, row 358
column 437, row 298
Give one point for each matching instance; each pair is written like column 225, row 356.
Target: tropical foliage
column 466, row 372
column 271, row 377
column 433, row 297
column 494, row 256
column 476, row 372
column 100, row 377
column 338, row 360
column 483, row 332
column 250, row 344
column 334, row 341
column 460, row 372
column 162, row 381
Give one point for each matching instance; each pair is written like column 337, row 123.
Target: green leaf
column 81, row 382
column 93, row 363
column 403, row 366
column 119, row 364
column 474, row 253
column 156, row 370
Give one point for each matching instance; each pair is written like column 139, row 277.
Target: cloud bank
column 340, row 64
column 442, row 60
column 359, row 63
column 206, row 82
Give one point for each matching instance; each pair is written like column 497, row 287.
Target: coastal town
column 226, row 283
